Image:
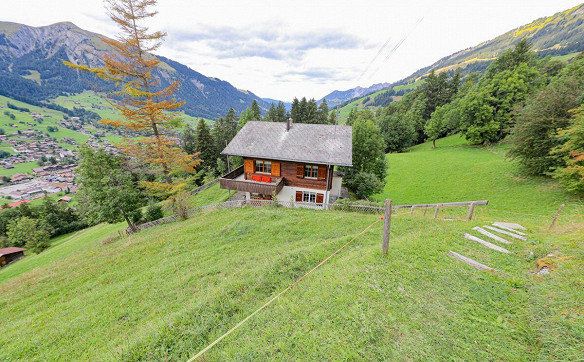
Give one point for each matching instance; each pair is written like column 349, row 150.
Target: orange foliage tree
column 144, row 104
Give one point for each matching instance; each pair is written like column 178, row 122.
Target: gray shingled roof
column 309, row 143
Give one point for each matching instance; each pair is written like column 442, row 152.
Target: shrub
column 29, row 233
column 179, row 204
column 365, row 184
column 136, row 216
column 153, row 212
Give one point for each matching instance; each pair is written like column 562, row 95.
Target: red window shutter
column 248, row 166
column 319, row 198
column 298, row 196
column 300, row 170
column 276, row 169
column 321, row 172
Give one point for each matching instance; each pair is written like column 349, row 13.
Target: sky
column 285, row 49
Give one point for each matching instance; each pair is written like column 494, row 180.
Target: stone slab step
column 491, row 235
column 486, row 243
column 469, row 261
column 509, row 229
column 505, row 232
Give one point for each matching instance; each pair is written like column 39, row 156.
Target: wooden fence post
column 386, row 227
column 470, row 213
column 556, row 216
column 436, row 211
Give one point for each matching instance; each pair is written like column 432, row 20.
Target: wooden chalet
column 293, row 162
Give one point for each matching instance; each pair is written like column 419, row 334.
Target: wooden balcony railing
column 230, row 182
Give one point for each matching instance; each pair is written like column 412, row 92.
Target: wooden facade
column 292, row 173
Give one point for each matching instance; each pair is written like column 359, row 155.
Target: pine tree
column 311, row 112
column 205, row 145
column 256, row 112
column 323, row 112
column 271, row 115
column 224, row 129
column 144, row 105
column 189, row 140
column 295, row 110
column 281, row 112
column 332, row 117
column 303, row 113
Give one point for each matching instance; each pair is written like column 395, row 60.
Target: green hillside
column 97, row 103
column 24, row 120
column 366, row 102
column 561, row 34
column 456, row 171
column 167, row 292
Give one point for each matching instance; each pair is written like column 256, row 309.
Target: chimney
column 288, row 124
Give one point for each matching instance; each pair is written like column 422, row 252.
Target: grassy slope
column 68, row 244
column 92, row 101
column 61, row 247
column 170, row 290
column 343, row 112
column 455, row 171
column 24, row 121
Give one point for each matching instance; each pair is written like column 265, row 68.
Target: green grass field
column 343, row 112
column 94, row 102
column 167, row 292
column 24, row 167
column 456, row 171
column 24, row 120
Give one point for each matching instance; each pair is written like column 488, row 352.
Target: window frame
column 310, row 195
column 311, row 171
column 263, row 167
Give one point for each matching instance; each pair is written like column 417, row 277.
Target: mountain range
column 32, row 69
column 561, row 34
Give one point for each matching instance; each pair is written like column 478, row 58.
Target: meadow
column 167, row 292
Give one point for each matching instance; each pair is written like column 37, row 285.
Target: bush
column 153, row 212
column 136, row 216
column 365, row 184
column 29, row 233
column 179, row 204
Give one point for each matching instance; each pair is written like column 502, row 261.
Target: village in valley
column 35, row 163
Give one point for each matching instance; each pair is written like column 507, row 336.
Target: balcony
column 235, row 180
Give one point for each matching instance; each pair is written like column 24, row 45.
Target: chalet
column 8, row 255
column 293, row 162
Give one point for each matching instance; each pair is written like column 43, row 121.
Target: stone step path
column 486, row 243
column 509, row 225
column 491, row 235
column 504, row 227
column 469, row 261
column 505, row 232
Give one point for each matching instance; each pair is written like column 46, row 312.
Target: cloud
column 268, row 41
column 317, row 75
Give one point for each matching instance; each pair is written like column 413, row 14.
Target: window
column 311, row 171
column 309, row 197
column 262, row 166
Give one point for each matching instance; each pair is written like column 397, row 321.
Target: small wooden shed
column 10, row 254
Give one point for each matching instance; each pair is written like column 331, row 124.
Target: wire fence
column 341, row 206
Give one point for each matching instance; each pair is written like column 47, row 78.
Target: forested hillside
column 533, row 103
column 556, row 35
column 560, row 36
column 32, row 70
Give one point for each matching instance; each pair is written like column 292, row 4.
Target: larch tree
column 145, row 104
